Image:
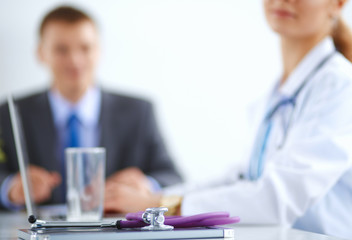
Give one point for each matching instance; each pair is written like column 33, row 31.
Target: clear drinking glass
column 85, row 172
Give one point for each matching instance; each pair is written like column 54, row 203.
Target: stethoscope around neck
column 257, row 163
column 293, row 99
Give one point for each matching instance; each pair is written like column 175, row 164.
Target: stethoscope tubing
column 135, row 220
column 199, row 220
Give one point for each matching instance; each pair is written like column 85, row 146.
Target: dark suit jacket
column 128, row 132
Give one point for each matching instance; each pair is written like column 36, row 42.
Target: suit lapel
column 45, row 135
column 109, row 125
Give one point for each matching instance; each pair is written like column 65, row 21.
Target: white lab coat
column 307, row 183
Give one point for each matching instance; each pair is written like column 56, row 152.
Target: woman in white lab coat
column 299, row 171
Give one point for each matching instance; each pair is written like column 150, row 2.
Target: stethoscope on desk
column 152, row 219
column 256, row 164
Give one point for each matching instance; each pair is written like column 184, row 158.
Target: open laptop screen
column 22, row 156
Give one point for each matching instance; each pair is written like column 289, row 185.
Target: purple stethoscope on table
column 152, row 219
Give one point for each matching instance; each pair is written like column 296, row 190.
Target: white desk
column 9, row 223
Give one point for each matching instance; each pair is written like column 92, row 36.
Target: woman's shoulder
column 328, row 97
column 336, row 76
column 339, row 69
column 331, row 87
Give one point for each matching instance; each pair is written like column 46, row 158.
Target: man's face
column 71, row 52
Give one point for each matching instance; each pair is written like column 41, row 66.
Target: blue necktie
column 72, row 140
column 73, row 131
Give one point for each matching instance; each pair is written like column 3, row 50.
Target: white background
column 201, row 62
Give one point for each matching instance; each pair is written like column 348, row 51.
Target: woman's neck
column 294, row 50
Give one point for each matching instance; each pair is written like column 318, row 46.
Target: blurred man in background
column 75, row 112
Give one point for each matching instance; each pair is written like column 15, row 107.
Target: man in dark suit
column 125, row 126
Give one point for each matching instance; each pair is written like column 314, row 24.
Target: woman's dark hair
column 342, row 36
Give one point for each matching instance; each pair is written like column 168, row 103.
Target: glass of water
column 85, row 173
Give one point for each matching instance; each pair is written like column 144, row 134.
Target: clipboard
column 127, row 234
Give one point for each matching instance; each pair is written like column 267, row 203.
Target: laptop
column 52, row 212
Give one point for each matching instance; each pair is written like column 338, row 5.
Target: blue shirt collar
column 87, row 108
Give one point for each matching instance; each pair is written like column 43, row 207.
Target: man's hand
column 42, row 182
column 132, row 177
column 123, row 198
column 129, row 190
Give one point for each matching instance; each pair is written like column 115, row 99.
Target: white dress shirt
column 307, row 182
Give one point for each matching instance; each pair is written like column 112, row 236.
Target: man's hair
column 64, row 14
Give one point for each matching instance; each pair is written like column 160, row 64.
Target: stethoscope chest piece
column 155, row 217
